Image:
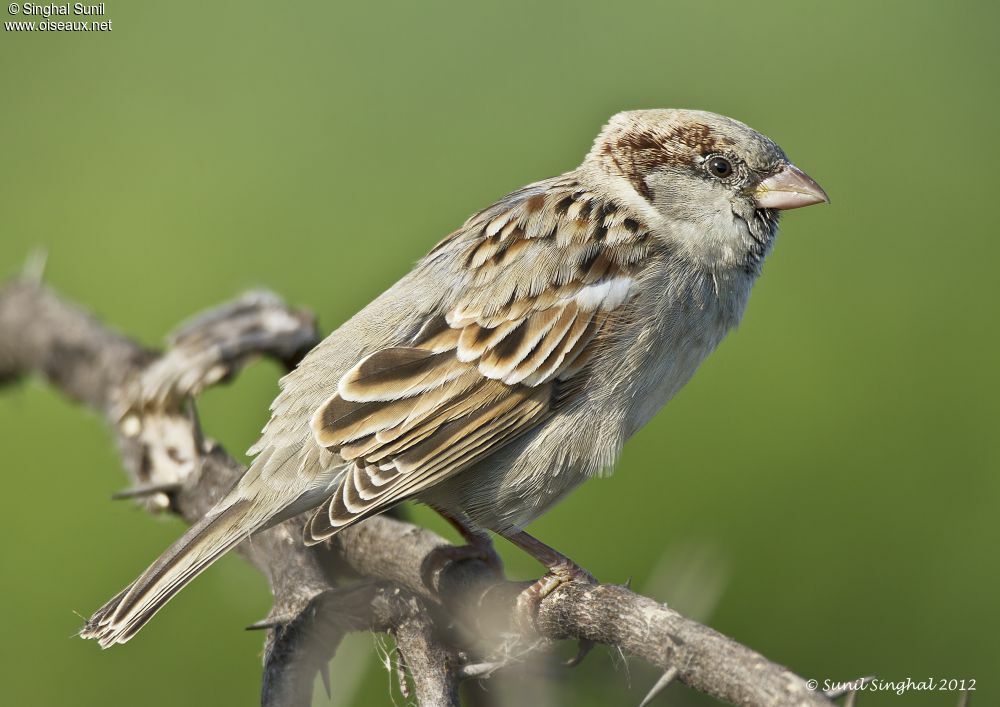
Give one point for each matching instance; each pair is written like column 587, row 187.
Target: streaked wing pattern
column 544, row 274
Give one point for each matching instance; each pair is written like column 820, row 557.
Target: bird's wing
column 542, row 276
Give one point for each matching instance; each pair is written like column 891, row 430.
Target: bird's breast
column 686, row 318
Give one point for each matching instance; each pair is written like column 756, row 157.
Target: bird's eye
column 719, row 167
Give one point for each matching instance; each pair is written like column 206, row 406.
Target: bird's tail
column 203, row 543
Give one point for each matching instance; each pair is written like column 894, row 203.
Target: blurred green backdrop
column 825, row 490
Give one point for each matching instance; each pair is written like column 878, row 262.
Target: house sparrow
column 516, row 358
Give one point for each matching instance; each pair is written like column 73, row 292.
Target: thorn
column 267, row 623
column 660, row 686
column 847, row 687
column 324, row 673
column 628, row 583
column 584, row 648
column 199, row 437
column 34, row 266
column 852, row 697
column 143, row 490
column 964, row 698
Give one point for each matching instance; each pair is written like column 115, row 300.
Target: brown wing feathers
column 542, row 276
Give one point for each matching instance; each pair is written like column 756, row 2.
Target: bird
column 517, row 357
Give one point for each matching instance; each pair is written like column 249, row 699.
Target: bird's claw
column 529, row 600
column 533, row 595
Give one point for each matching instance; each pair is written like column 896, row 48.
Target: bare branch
column 216, row 344
column 146, row 399
column 705, row 659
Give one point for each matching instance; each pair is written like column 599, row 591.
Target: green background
column 825, row 490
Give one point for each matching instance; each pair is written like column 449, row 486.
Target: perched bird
column 517, row 357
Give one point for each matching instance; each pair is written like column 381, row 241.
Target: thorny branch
column 449, row 623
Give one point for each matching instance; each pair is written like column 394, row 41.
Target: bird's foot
column 529, row 600
column 552, row 580
column 479, row 548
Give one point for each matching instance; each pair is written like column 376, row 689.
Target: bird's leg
column 561, row 570
column 473, row 536
column 478, row 546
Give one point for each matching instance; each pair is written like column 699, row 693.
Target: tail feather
column 206, row 541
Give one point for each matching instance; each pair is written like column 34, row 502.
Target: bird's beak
column 789, row 188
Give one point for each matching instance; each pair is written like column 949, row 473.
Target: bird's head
column 717, row 182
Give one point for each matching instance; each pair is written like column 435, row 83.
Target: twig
column 146, row 399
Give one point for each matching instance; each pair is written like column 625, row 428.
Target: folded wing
column 543, row 277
